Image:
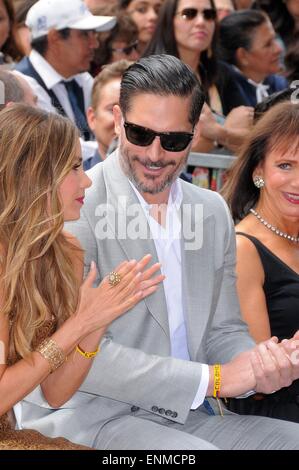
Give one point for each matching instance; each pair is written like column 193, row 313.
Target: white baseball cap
column 45, row 15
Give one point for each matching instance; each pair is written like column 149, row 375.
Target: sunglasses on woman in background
column 188, row 14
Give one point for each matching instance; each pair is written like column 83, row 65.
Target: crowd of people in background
column 242, row 52
column 85, row 83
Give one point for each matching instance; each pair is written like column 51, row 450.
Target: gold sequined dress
column 28, row 439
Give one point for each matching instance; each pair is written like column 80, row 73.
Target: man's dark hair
column 41, row 44
column 11, row 89
column 162, row 75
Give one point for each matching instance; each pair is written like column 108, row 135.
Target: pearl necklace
column 274, row 229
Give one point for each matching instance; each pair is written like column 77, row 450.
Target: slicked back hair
column 163, row 75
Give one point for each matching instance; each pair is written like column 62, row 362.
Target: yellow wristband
column 87, row 355
column 217, row 380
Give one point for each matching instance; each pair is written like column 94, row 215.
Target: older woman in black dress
column 263, row 194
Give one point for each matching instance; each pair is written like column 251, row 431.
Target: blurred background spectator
column 144, row 13
column 15, row 89
column 284, row 15
column 105, row 94
column 94, row 5
column 8, row 49
column 121, row 42
column 62, row 50
column 224, row 8
column 21, row 31
column 247, row 42
column 190, row 33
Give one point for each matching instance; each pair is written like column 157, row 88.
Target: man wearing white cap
column 63, row 38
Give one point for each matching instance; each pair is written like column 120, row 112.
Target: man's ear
column 90, row 114
column 117, row 114
column 196, row 135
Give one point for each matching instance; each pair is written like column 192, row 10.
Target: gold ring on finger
column 114, row 278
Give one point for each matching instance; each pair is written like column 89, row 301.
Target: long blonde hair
column 37, row 150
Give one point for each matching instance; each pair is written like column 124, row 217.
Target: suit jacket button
column 174, row 414
column 155, row 409
column 168, row 413
column 135, row 408
column 161, row 411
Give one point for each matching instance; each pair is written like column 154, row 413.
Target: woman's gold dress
column 28, row 439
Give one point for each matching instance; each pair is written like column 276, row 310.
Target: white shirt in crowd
column 52, row 80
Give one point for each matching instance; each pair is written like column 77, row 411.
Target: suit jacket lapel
column 124, row 224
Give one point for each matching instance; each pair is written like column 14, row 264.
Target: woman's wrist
column 69, row 334
column 91, row 341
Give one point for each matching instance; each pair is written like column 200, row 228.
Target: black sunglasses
column 209, row 14
column 170, row 141
column 126, row 50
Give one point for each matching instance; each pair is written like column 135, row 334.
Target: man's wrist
column 222, row 136
column 215, row 382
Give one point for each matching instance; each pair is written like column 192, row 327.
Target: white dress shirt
column 168, row 246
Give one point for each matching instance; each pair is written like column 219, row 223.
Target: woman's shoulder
column 249, row 263
column 246, row 241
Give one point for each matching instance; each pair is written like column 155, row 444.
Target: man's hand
column 271, row 366
column 267, row 367
column 291, row 348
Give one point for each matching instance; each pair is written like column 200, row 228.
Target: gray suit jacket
column 134, row 369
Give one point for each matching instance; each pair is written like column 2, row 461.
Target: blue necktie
column 76, row 98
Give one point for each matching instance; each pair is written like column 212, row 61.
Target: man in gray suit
column 152, row 384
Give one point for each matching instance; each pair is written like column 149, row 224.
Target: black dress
column 281, row 288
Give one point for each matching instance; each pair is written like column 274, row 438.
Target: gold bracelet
column 86, row 354
column 50, row 350
column 217, row 380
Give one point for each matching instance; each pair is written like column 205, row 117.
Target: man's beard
column 142, row 187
